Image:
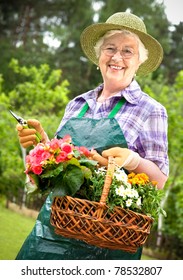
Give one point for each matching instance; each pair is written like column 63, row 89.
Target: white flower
column 138, row 202
column 129, row 192
column 101, row 170
column 135, row 193
column 121, row 176
column 129, row 202
column 121, row 191
column 128, row 185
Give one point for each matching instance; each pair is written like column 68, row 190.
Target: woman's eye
column 111, row 49
column 128, row 51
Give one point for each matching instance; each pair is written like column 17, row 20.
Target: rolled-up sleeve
column 152, row 142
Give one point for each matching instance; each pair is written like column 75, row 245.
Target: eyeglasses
column 125, row 53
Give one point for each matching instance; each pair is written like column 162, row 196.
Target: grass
column 14, row 228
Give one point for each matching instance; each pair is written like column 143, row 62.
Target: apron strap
column 116, row 108
column 114, row 111
column 83, row 110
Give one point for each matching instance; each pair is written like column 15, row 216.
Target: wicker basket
column 95, row 224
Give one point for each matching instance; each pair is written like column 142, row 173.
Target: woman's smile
column 116, row 67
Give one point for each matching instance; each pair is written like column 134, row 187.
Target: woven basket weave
column 94, row 223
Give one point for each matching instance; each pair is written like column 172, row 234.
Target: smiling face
column 119, row 60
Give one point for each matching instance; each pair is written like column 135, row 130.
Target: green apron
column 43, row 243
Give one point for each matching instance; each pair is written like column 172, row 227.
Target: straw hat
column 130, row 22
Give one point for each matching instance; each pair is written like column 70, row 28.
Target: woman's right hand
column 27, row 136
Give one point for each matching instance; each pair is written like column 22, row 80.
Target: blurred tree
column 32, row 30
column 173, row 60
column 42, row 95
column 172, row 98
column 48, row 31
column 173, row 225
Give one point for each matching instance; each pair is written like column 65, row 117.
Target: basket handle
column 108, row 180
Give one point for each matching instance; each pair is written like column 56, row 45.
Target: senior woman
column 116, row 118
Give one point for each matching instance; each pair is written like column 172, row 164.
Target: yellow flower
column 154, row 183
column 138, row 179
column 131, row 175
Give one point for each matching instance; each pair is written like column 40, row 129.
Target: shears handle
column 23, row 122
column 38, row 135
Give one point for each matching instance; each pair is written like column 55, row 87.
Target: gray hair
column 143, row 52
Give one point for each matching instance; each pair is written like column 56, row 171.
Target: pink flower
column 28, row 159
column 61, row 157
column 37, row 150
column 67, row 148
column 67, row 138
column 45, row 155
column 83, row 150
column 54, row 144
column 46, row 162
column 37, row 169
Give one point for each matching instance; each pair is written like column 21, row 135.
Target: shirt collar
column 132, row 94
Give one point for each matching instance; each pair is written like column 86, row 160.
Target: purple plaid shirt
column 142, row 119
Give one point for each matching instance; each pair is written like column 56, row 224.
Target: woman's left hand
column 123, row 157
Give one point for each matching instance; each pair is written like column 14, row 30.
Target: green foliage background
column 42, row 95
column 37, row 79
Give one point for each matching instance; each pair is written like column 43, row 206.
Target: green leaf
column 88, row 162
column 52, row 173
column 71, row 182
column 86, row 172
column 34, row 181
column 73, row 161
column 76, row 153
column 31, row 188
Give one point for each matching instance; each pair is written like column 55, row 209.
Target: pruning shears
column 23, row 122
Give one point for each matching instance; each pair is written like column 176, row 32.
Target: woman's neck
column 103, row 95
column 110, row 89
column 107, row 92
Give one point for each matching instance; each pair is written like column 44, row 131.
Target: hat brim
column 94, row 32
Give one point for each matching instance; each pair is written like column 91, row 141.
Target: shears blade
column 18, row 118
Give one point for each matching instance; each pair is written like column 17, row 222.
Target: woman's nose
column 117, row 56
